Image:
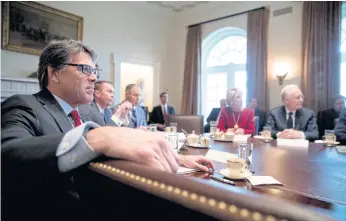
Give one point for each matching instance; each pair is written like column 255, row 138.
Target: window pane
column 343, row 34
column 230, row 50
column 215, row 91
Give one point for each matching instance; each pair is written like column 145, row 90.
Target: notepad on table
column 341, row 149
column 219, row 156
column 263, row 180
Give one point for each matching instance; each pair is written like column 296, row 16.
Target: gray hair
column 286, row 90
column 129, row 87
column 57, row 54
column 338, row 97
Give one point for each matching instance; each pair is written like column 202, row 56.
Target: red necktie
column 76, row 118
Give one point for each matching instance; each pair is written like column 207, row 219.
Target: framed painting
column 27, row 27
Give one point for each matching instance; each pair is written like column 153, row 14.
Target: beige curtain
column 256, row 64
column 192, row 72
column 321, row 53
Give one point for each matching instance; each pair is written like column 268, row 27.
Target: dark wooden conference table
column 314, row 176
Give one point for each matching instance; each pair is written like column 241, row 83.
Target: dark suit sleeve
column 210, row 115
column 173, row 111
column 152, row 116
column 311, row 132
column 271, row 123
column 21, row 143
column 340, row 127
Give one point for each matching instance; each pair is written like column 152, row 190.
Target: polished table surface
column 315, row 176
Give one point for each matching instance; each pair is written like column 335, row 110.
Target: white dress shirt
column 164, row 108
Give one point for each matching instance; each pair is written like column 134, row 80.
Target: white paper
column 263, row 180
column 292, row 142
column 185, row 170
column 219, row 156
column 240, row 138
column 341, row 149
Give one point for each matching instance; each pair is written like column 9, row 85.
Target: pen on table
column 222, row 180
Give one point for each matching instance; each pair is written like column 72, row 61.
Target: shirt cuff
column 302, row 135
column 117, row 120
column 74, row 150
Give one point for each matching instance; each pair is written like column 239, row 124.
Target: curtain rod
column 227, row 16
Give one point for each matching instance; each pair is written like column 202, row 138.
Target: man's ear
column 96, row 93
column 53, row 74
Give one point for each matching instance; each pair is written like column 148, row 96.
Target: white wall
column 284, row 43
column 119, row 27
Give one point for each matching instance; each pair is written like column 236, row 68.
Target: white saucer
column 262, row 138
column 197, row 145
column 324, row 142
column 222, row 140
column 225, row 173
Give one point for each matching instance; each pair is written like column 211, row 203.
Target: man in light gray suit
column 340, row 127
column 292, row 121
column 128, row 113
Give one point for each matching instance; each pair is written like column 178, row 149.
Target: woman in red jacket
column 240, row 120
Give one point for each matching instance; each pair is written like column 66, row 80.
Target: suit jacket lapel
column 160, row 113
column 53, row 107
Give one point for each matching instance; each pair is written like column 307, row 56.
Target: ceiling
column 175, row 6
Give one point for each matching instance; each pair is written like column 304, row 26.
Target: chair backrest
column 186, row 122
column 256, row 121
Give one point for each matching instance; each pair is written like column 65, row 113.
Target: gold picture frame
column 27, row 27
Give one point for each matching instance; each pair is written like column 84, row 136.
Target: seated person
column 326, row 119
column 240, row 120
column 131, row 115
column 103, row 98
column 258, row 113
column 291, row 120
column 214, row 115
column 340, row 127
column 49, row 138
column 158, row 113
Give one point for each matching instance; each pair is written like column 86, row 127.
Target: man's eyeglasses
column 87, row 69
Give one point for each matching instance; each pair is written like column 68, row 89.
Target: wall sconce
column 281, row 77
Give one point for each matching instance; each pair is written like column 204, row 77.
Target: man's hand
column 146, row 148
column 196, row 162
column 123, row 109
column 160, row 126
column 290, row 134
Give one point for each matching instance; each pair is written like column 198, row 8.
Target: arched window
column 343, row 53
column 223, row 66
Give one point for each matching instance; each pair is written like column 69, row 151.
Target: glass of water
column 173, row 127
column 152, row 127
column 213, row 126
column 245, row 151
column 172, row 138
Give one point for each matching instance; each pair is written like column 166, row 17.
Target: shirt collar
column 100, row 109
column 287, row 111
column 64, row 105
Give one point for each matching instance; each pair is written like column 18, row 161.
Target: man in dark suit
column 47, row 139
column 258, row 113
column 158, row 112
column 292, row 121
column 103, row 98
column 326, row 119
column 214, row 115
column 340, row 127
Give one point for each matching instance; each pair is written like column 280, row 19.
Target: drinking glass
column 213, row 125
column 172, row 138
column 245, row 152
column 152, row 127
column 173, row 127
column 329, row 137
column 266, row 133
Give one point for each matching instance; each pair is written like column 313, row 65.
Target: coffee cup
column 237, row 167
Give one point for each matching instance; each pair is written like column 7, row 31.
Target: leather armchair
column 186, row 122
